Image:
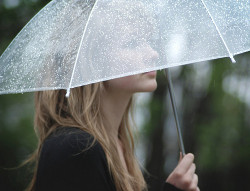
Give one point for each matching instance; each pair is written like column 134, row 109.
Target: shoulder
column 68, row 143
column 69, row 161
column 65, row 135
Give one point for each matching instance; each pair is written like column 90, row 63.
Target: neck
column 114, row 105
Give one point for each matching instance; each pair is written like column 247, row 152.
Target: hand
column 183, row 176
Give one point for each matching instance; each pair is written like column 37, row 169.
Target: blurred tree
column 17, row 138
column 214, row 122
column 221, row 126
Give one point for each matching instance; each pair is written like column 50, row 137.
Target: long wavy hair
column 83, row 110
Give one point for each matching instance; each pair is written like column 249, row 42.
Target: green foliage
column 17, row 137
column 214, row 121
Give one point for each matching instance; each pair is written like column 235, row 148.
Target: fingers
column 192, row 184
column 191, row 170
column 185, row 164
column 184, row 176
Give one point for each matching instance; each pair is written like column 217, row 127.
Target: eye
column 132, row 44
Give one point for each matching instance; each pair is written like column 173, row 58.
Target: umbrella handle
column 172, row 97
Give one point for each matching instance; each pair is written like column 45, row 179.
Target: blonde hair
column 82, row 110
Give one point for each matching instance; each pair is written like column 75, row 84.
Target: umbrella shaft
column 172, row 97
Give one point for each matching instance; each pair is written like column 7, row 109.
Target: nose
column 154, row 54
column 150, row 53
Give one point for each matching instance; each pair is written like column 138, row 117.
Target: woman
column 85, row 141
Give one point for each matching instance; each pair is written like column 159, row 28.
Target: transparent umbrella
column 71, row 43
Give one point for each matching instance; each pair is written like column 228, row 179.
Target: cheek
column 132, row 84
column 127, row 83
column 127, row 60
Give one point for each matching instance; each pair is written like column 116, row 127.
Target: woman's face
column 126, row 47
column 145, row 82
column 133, row 52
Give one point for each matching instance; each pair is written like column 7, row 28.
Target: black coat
column 65, row 166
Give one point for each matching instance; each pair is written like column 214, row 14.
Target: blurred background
column 213, row 100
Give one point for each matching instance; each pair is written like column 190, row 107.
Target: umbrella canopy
column 71, row 43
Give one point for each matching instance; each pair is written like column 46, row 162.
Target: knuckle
column 193, row 186
column 186, row 181
column 193, row 167
column 178, row 175
column 196, row 178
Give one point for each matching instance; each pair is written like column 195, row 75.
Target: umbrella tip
column 232, row 59
column 68, row 93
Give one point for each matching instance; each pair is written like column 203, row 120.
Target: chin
column 153, row 88
column 150, row 87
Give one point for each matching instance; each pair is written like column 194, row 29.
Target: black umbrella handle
column 172, row 97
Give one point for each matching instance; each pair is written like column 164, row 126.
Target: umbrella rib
column 229, row 52
column 78, row 52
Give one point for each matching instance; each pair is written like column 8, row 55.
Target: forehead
column 121, row 21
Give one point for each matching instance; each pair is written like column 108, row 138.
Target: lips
column 151, row 73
